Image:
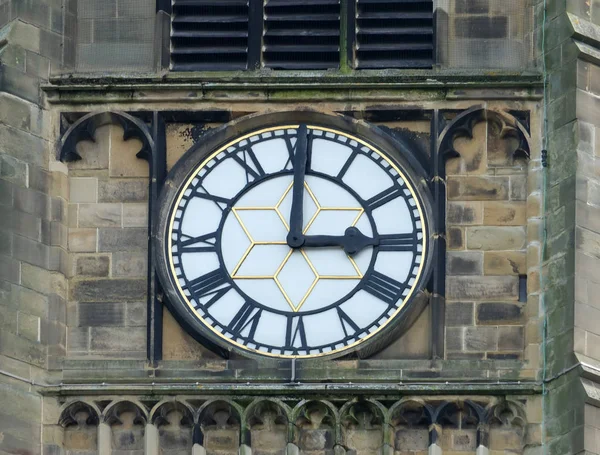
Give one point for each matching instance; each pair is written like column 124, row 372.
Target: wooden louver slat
column 209, row 35
column 301, row 34
column 394, row 34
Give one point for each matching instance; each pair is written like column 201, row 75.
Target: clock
column 294, row 236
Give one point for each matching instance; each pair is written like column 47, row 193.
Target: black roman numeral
column 384, row 197
column 214, row 283
column 346, row 320
column 190, row 245
column 248, row 155
column 384, row 288
column 290, row 149
column 216, row 199
column 347, row 164
column 248, row 315
column 296, row 333
column 397, row 242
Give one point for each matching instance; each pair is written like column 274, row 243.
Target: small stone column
column 151, row 441
column 434, row 435
column 104, row 439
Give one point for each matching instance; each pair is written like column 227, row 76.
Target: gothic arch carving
column 80, row 426
column 316, row 424
column 79, row 413
column 85, row 128
column 127, row 421
column 363, row 425
column 269, row 423
column 462, row 126
column 219, row 425
column 175, row 422
column 409, row 420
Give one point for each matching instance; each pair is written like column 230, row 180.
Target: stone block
column 588, row 216
column 30, row 302
column 464, row 263
column 78, row 339
column 14, row 56
column 133, row 264
column 18, row 83
column 481, row 339
column 123, row 160
column 465, row 213
column 43, row 281
column 505, row 213
column 180, row 138
column 588, row 242
column 479, row 188
column 586, row 318
column 23, row 349
column 178, row 344
column 113, row 190
column 100, row 215
column 36, row 65
column 39, row 179
column 511, row 338
column 129, row 239
column 14, row 170
column 55, row 234
column 14, row 111
column 459, row 313
column 28, row 326
column 32, row 202
column 136, row 314
column 499, row 313
column 114, row 338
column 518, row 187
column 455, row 238
column 473, row 156
column 455, row 338
column 135, row 215
column 25, row 35
column 5, row 243
column 505, row 263
column 496, row 238
column 108, row 290
column 22, row 223
column 82, row 240
column 83, row 189
column 51, row 45
column 58, row 209
column 91, row 265
column 6, row 193
column 488, row 288
column 101, row 314
column 32, row 252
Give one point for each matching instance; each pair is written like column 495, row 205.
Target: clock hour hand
column 295, row 239
column 352, row 241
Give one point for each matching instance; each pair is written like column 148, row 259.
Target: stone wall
column 33, row 241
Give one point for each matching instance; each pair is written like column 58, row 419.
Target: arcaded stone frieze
column 219, row 425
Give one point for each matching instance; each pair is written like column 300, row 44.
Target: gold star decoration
column 276, row 276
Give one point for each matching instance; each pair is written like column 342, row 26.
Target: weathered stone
column 123, row 160
column 133, row 264
column 481, row 188
column 498, row 313
column 78, row 339
column 100, row 215
column 123, row 190
column 505, row 214
column 33, row 252
column 28, row 326
column 455, row 238
column 472, row 152
column 518, row 187
column 136, row 314
column 23, row 146
column 481, row 338
column 505, row 263
column 88, row 265
column 82, row 240
column 106, row 290
column 101, row 314
column 464, row 263
column 482, row 288
column 10, row 269
column 114, row 338
column 33, row 202
column 496, row 238
column 23, row 223
column 129, row 239
column 94, row 155
column 510, row 338
column 455, row 338
column 14, row 170
column 83, row 189
column 14, row 111
column 466, row 213
column 135, row 215
column 459, row 313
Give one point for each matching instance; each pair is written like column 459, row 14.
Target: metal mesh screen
column 487, row 34
column 115, row 36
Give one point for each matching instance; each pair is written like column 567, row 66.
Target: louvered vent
column 209, row 35
column 394, row 34
column 301, row 34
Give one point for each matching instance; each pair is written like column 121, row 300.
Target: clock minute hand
column 295, row 239
column 352, row 241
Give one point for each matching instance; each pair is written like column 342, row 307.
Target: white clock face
column 234, row 265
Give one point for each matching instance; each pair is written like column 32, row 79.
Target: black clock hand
column 295, row 239
column 352, row 241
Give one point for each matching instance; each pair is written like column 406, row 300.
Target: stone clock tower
column 319, row 227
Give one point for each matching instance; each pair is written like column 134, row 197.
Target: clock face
column 232, row 262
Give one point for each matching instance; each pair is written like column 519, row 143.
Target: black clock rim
column 394, row 148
